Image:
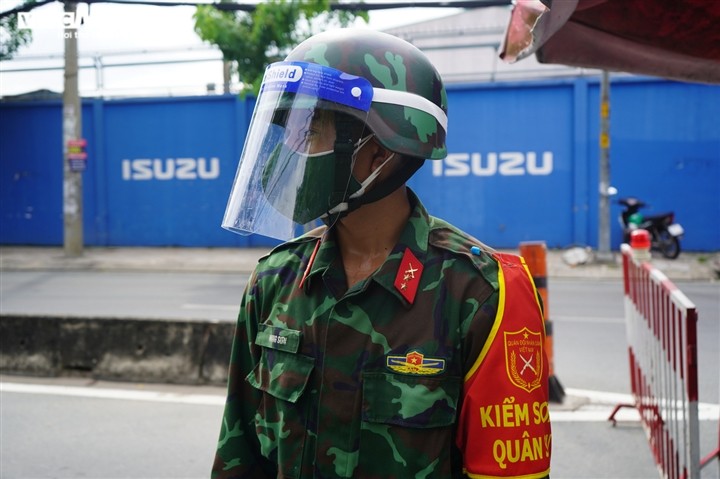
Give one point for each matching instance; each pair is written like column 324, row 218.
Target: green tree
column 11, row 36
column 252, row 40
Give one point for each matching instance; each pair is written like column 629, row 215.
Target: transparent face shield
column 287, row 177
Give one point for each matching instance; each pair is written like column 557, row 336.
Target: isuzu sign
column 509, row 163
column 171, row 169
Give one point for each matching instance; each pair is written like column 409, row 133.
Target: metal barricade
column 661, row 325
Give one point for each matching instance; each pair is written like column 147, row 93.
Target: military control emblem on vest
column 523, row 358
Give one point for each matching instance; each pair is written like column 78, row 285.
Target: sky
column 114, row 35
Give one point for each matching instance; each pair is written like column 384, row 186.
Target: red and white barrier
column 661, row 325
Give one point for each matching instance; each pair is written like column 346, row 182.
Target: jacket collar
column 414, row 238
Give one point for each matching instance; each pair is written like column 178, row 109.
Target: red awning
column 677, row 39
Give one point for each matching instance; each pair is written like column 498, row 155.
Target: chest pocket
column 407, row 426
column 281, row 419
column 410, row 401
column 281, row 372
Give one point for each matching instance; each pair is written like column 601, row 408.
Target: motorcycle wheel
column 668, row 245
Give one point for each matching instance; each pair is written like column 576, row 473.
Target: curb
column 118, row 349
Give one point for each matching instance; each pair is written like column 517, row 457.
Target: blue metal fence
column 522, row 164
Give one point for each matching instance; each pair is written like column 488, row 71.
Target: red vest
column 504, row 427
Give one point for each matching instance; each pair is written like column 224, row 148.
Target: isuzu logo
column 171, row 169
column 510, row 163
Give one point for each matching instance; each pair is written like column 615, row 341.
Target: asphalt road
column 590, row 346
column 74, row 429
column 136, row 294
column 58, row 432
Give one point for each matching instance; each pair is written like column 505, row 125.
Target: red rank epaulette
column 408, row 276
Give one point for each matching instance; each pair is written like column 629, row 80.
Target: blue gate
column 522, row 164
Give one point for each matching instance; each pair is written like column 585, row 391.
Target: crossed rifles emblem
column 527, row 364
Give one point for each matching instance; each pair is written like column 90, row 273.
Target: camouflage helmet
column 389, row 64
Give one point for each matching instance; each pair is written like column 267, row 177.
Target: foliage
column 11, row 36
column 252, row 40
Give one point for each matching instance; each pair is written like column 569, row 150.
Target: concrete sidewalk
column 688, row 266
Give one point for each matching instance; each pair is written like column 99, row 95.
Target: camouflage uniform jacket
column 316, row 386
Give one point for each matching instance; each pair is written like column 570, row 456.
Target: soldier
column 385, row 343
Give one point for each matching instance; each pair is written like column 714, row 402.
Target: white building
column 465, row 48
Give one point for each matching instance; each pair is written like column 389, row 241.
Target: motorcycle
column 665, row 234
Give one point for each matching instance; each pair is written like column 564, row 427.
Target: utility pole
column 604, row 253
column 72, row 132
column 227, row 70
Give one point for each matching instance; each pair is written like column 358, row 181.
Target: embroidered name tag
column 278, row 338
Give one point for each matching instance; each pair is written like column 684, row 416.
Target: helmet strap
column 344, row 148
